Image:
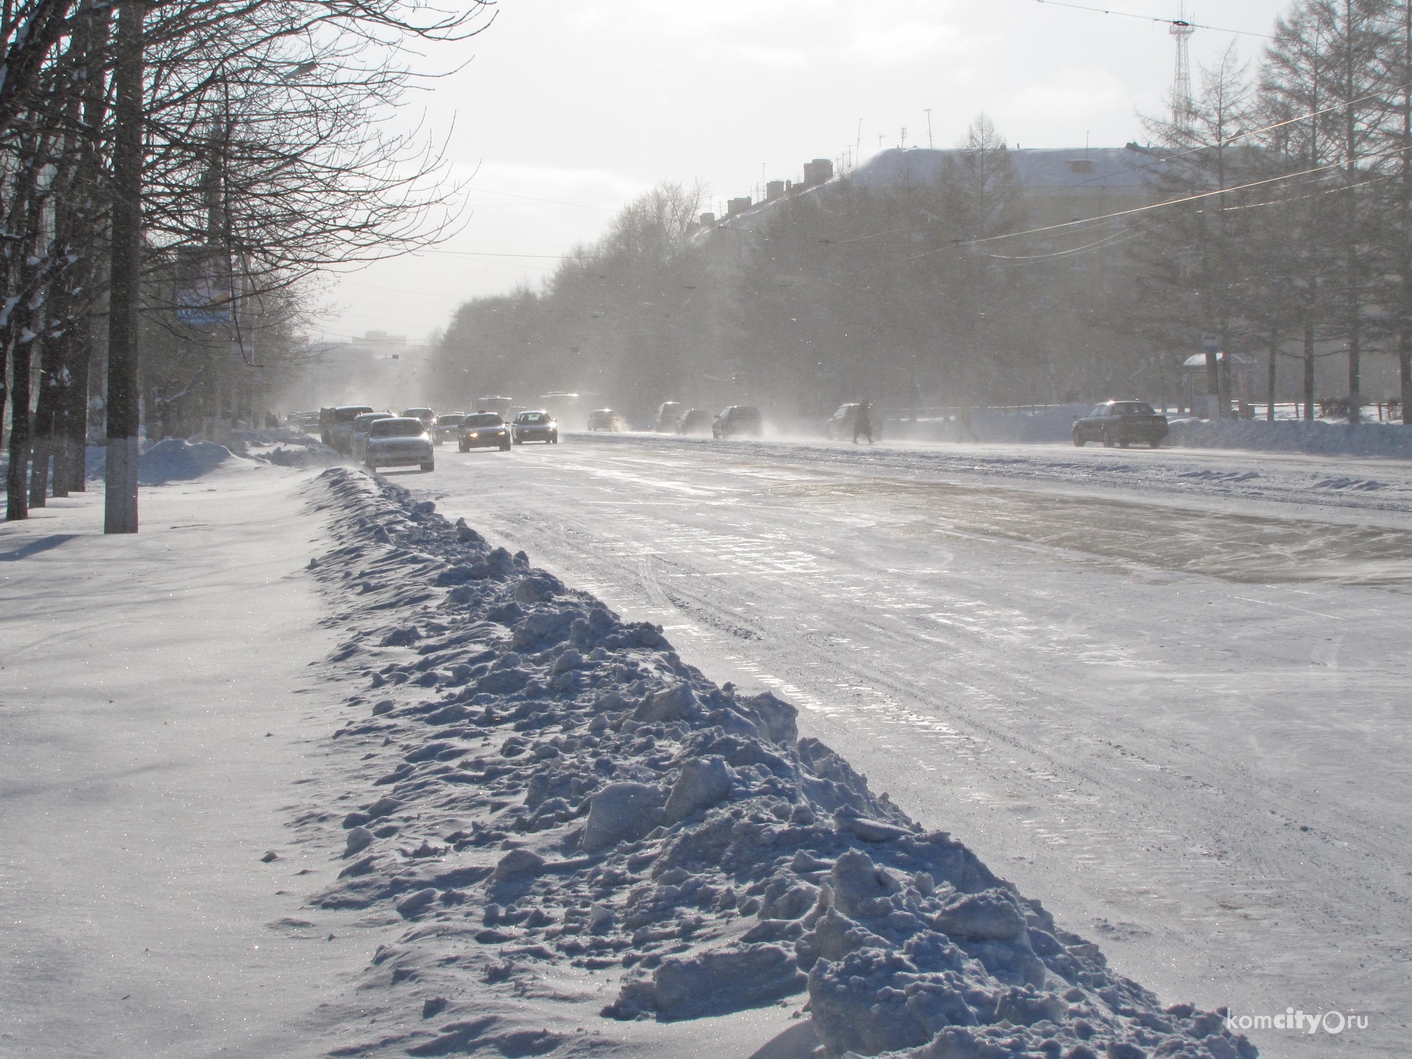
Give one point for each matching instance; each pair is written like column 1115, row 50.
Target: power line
column 1174, row 22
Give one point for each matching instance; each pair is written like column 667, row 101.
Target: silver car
column 400, row 441
column 358, row 433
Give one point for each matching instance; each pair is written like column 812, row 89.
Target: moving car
column 667, row 415
column 606, row 419
column 1121, row 423
column 738, row 420
column 336, row 425
column 694, row 421
column 358, row 432
column 843, row 422
column 483, row 430
column 534, row 426
column 447, row 427
column 426, row 415
column 398, row 441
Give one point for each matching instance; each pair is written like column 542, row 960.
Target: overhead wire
column 1152, row 18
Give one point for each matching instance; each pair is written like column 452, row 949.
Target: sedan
column 399, row 441
column 447, row 427
column 483, row 430
column 1121, row 423
column 534, row 426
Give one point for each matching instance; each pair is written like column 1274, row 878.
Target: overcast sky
column 569, row 108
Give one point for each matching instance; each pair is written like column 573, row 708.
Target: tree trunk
column 17, row 479
column 1272, row 370
column 120, row 502
column 1309, row 367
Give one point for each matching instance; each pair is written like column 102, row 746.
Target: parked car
column 694, row 421
column 447, row 427
column 399, row 441
column 358, row 433
column 483, row 430
column 534, row 426
column 842, row 423
column 426, row 415
column 667, row 415
column 738, row 420
column 1121, row 423
column 336, row 425
column 606, row 419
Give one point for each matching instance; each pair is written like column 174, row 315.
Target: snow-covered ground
column 1165, row 691
column 1161, row 692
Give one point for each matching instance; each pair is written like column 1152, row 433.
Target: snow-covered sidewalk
column 501, row 819
column 155, row 709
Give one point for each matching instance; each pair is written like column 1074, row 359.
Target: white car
column 400, row 441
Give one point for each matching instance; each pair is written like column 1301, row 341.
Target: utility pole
column 125, row 287
column 858, row 147
column 931, row 144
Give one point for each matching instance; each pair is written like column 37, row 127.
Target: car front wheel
column 429, row 465
column 1107, row 440
column 1078, row 440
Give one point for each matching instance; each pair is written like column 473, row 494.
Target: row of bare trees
column 263, row 156
column 1284, row 232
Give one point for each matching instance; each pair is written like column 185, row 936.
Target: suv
column 336, row 425
column 426, row 415
column 738, row 420
column 667, row 415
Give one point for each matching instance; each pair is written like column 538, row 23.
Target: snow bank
column 175, row 459
column 1047, row 425
column 552, row 791
column 1317, row 438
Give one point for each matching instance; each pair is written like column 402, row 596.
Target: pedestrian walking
column 862, row 424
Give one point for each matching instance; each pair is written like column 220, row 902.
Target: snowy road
column 1165, row 691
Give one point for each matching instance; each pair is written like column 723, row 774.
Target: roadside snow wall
column 551, row 787
column 1317, row 438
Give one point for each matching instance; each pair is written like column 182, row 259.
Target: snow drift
column 553, row 789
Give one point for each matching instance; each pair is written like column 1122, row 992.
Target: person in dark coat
column 862, row 424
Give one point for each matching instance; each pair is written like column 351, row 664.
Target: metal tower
column 1182, row 30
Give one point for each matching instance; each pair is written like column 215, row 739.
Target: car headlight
column 473, row 434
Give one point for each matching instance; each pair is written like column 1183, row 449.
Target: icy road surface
column 1166, row 692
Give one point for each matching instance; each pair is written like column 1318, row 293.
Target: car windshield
column 534, row 417
column 485, row 419
column 1132, row 408
column 397, row 428
column 1099, row 410
column 449, row 420
column 417, row 413
column 366, row 420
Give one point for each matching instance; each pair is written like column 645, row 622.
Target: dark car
column 426, row 415
column 738, row 420
column 483, row 430
column 447, row 427
column 667, row 415
column 1121, row 423
column 694, row 421
column 534, row 426
column 398, row 441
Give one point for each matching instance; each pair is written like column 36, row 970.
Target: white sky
column 569, row 108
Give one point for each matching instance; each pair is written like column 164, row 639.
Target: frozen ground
column 1166, row 691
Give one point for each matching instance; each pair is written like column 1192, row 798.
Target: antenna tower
column 1181, row 30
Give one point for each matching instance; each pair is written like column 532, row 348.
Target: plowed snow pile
column 561, row 794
